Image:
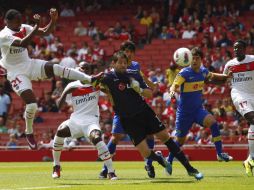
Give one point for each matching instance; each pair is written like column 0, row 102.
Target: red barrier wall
column 204, row 154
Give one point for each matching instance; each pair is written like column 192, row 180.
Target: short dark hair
column 196, row 51
column 12, row 14
column 117, row 55
column 129, row 45
column 243, row 42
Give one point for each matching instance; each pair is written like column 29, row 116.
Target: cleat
column 95, row 80
column 251, row 162
column 195, row 173
column 224, row 157
column 56, row 172
column 165, row 163
column 248, row 168
column 112, row 176
column 103, row 174
column 31, row 141
column 150, row 171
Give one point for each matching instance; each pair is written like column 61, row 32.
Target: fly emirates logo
column 241, row 77
column 16, row 50
column 85, row 99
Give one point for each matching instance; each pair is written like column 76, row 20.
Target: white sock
column 251, row 141
column 29, row 117
column 70, row 73
column 105, row 155
column 57, row 149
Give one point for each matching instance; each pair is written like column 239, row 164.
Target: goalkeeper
column 126, row 89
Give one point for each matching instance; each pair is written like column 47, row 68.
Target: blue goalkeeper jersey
column 191, row 90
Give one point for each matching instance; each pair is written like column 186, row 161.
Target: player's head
column 197, row 56
column 129, row 48
column 240, row 49
column 120, row 62
column 13, row 19
column 85, row 67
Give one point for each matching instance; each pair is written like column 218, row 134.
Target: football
column 183, row 57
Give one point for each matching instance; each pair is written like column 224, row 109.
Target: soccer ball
column 183, row 57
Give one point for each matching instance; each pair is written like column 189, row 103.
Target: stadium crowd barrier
column 124, row 153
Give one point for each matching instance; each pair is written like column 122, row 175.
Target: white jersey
column 243, row 76
column 14, row 58
column 84, row 100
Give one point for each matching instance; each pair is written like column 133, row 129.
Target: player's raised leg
column 103, row 152
column 51, row 70
column 62, row 132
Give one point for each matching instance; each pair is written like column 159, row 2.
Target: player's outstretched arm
column 52, row 24
column 27, row 39
column 217, row 78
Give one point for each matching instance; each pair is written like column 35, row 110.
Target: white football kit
column 85, row 116
column 242, row 83
column 20, row 67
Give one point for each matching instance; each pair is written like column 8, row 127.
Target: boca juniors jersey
column 192, row 88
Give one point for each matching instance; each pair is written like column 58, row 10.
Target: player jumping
column 21, row 69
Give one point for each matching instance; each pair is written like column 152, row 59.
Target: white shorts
column 243, row 105
column 22, row 81
column 78, row 130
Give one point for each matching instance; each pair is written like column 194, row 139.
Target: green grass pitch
column 132, row 176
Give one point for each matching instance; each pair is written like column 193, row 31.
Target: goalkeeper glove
column 135, row 86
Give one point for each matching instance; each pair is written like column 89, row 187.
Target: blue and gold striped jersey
column 191, row 88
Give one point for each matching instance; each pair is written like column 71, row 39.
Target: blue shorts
column 117, row 126
column 184, row 121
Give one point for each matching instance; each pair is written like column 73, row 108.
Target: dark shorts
column 141, row 125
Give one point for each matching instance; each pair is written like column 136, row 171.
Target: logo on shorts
column 121, row 86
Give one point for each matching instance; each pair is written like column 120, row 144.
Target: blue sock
column 112, row 149
column 170, row 157
column 216, row 137
column 150, row 143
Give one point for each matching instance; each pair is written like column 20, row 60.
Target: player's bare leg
column 62, row 132
column 178, row 153
column 103, row 153
column 114, row 140
column 31, row 108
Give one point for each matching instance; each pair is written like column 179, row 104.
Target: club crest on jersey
column 121, row 86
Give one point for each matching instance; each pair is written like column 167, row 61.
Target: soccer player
column 21, row 69
column 190, row 110
column 242, row 93
column 126, row 89
column 84, row 121
column 117, row 131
